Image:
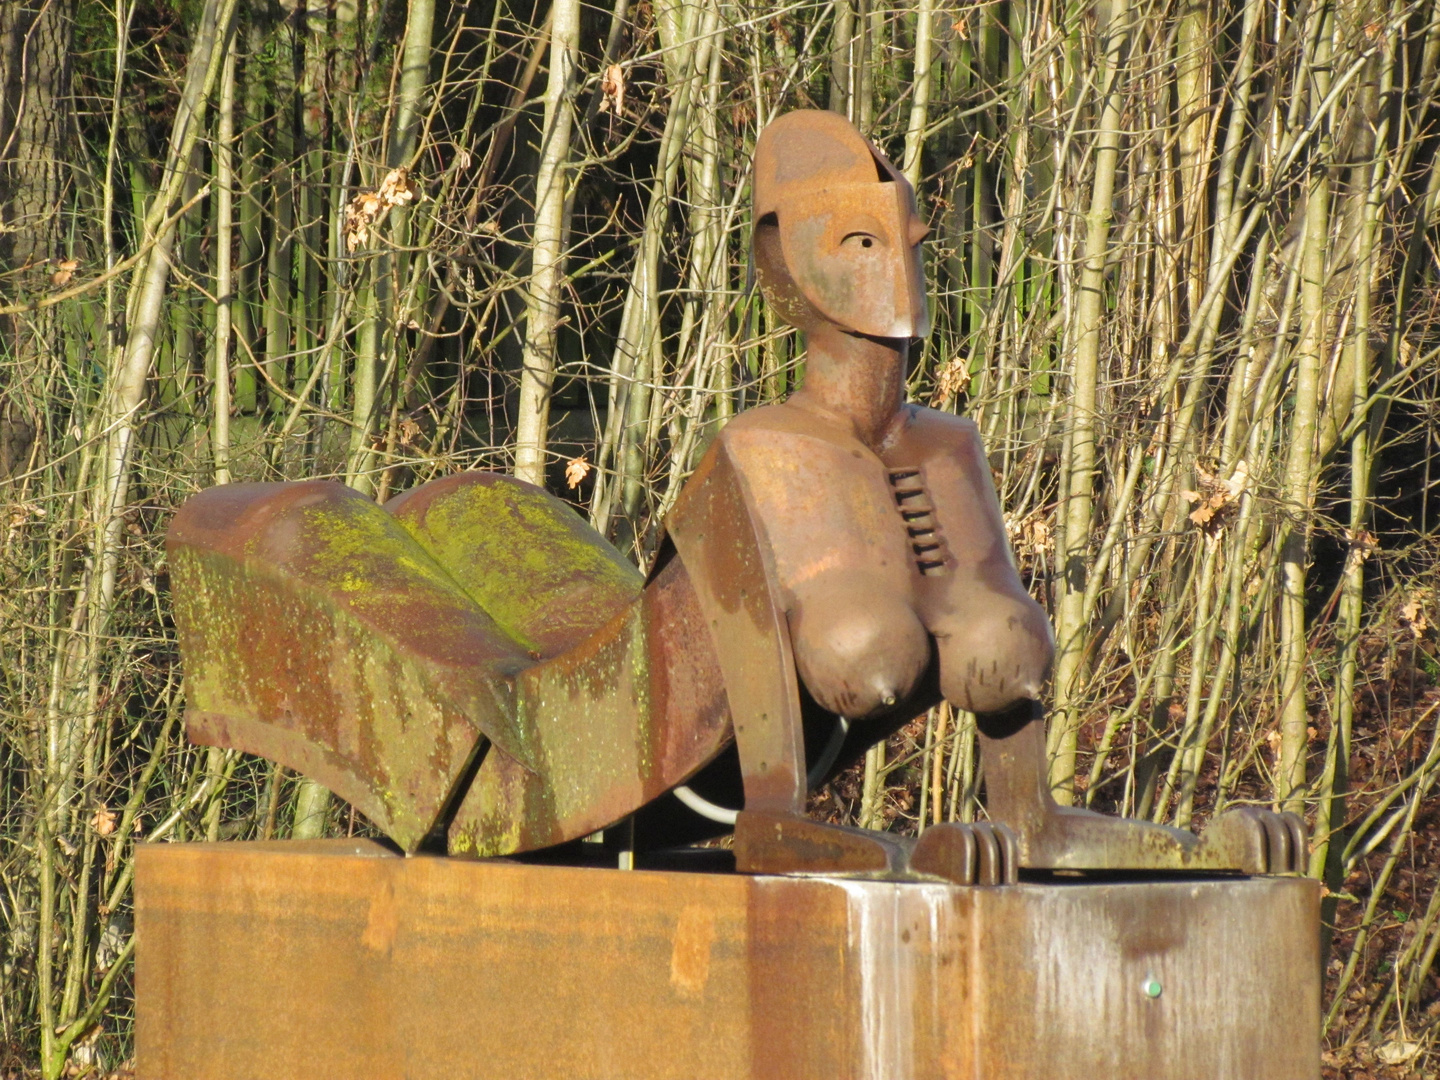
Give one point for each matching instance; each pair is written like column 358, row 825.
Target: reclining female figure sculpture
column 472, row 659
column 887, row 536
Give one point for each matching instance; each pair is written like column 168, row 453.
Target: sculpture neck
column 855, row 379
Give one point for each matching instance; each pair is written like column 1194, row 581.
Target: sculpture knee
column 996, row 653
column 859, row 647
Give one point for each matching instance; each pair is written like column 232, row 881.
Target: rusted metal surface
column 719, row 540
column 317, row 632
column 770, row 842
column 475, row 657
column 351, row 643
column 616, row 722
column 885, row 530
column 1248, row 839
column 255, row 962
column 846, row 225
column 968, row 853
column 973, row 853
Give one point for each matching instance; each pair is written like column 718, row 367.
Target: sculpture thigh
column 994, row 641
column 841, row 557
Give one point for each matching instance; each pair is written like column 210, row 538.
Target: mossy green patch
column 524, row 556
column 355, row 548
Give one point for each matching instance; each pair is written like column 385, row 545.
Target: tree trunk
column 1072, row 617
column 547, row 266
column 1311, row 352
column 36, row 127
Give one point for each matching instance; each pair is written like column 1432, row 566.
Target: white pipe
column 725, row 816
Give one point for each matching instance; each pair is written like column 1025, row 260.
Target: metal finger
column 1299, row 842
column 969, row 856
column 1009, row 853
column 1277, row 843
column 990, row 869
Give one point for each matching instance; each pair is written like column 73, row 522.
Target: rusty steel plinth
column 339, row 959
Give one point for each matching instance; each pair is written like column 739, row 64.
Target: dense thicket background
column 1183, row 274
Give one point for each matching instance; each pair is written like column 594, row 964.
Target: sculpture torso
column 879, row 550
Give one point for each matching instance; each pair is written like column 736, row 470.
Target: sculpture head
column 837, row 237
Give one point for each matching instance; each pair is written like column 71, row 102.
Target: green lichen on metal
column 526, row 558
column 357, row 548
column 507, row 810
column 372, row 647
column 645, row 764
column 413, row 669
column 591, row 716
column 210, row 623
column 252, row 635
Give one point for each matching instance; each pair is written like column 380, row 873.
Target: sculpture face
column 837, row 236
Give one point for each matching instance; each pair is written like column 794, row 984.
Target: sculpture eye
column 864, row 239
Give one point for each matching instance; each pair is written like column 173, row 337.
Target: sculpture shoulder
column 925, row 433
column 933, row 422
column 786, row 421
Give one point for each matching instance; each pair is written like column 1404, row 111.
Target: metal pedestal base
column 339, row 959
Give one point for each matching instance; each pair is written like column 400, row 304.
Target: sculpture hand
column 1254, row 841
column 780, row 842
column 1054, row 837
column 968, row 853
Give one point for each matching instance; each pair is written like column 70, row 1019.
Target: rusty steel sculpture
column 473, row 657
column 482, row 674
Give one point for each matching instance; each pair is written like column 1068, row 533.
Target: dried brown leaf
column 396, row 189
column 951, row 379
column 367, row 207
column 576, row 470
column 1397, row 1051
column 612, row 90
column 103, row 821
column 1217, row 499
column 1415, row 612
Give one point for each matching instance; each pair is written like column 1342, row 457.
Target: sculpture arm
column 720, row 539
